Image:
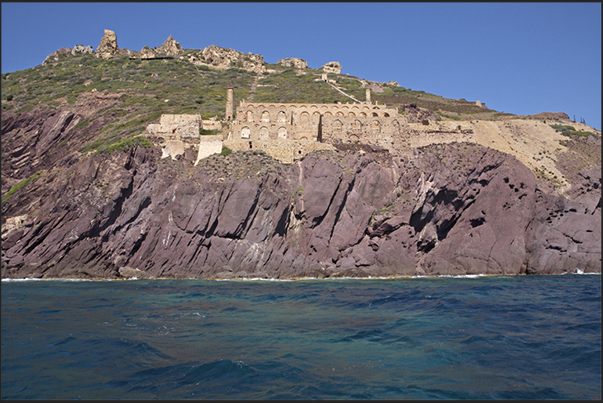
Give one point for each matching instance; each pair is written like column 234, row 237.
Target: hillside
column 85, row 192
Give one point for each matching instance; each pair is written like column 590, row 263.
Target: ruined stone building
column 327, row 123
column 289, row 131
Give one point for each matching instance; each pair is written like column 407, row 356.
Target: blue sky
column 520, row 58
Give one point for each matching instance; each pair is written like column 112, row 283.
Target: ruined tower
column 368, row 95
column 229, row 103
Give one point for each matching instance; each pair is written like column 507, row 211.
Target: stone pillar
column 229, row 103
column 368, row 95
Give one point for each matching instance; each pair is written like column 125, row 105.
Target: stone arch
column 396, row 126
column 356, row 125
column 249, row 116
column 327, row 113
column 304, row 118
column 340, row 114
column 337, row 125
column 315, row 116
column 245, row 132
column 375, row 114
column 281, row 117
column 352, row 115
column 265, row 117
column 282, row 132
column 375, row 126
column 264, row 133
column 355, row 107
column 353, row 139
column 386, row 115
column 362, row 114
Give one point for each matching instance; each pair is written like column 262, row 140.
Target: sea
column 472, row 337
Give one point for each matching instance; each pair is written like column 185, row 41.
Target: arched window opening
column 337, row 126
column 282, row 133
column 305, row 118
column 375, row 126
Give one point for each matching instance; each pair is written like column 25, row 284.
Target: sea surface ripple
column 507, row 337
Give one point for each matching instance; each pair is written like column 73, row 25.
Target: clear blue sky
column 521, row 58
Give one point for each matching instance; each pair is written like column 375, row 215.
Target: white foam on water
column 463, row 275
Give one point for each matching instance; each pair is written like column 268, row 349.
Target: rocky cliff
column 85, row 195
column 444, row 209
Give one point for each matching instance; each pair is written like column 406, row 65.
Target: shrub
column 20, row 185
column 569, row 131
column 225, row 151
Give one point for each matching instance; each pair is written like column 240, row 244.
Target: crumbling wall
column 176, row 127
column 284, row 150
column 301, row 121
column 209, row 145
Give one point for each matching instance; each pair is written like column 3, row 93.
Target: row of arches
column 322, row 107
column 281, row 133
column 281, row 116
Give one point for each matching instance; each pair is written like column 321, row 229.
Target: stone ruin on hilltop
column 289, row 131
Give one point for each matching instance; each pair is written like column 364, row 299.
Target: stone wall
column 388, row 132
column 209, row 145
column 284, row 150
column 288, row 132
column 264, row 121
column 176, row 127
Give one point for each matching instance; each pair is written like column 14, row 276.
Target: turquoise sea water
column 508, row 337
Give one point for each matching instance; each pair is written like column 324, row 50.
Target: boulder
column 169, row 48
column 108, row 45
column 293, row 62
column 332, row 67
column 81, row 49
column 130, row 272
column 147, row 53
column 54, row 56
column 225, row 58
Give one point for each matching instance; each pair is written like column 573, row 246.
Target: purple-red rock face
column 447, row 209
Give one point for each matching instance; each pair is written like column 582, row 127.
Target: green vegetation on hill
column 289, row 87
column 148, row 88
column 570, row 131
